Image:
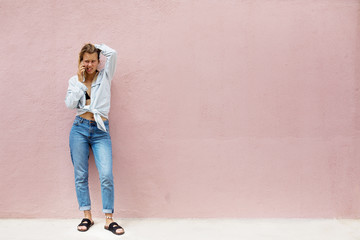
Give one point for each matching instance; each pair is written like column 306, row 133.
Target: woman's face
column 91, row 62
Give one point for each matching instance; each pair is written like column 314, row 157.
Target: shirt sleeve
column 75, row 93
column 111, row 55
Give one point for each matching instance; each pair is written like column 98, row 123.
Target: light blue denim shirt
column 100, row 90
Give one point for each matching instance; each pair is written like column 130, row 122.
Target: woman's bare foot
column 87, row 214
column 110, row 220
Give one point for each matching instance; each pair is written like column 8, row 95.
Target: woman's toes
column 82, row 228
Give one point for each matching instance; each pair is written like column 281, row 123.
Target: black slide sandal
column 113, row 227
column 86, row 223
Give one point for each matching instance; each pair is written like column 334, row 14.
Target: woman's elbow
column 70, row 104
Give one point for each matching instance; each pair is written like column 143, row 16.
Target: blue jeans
column 83, row 135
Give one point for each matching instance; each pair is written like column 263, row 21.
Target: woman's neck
column 90, row 77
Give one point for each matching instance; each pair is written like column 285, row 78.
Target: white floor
column 173, row 229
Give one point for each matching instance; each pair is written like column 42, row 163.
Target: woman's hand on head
column 81, row 72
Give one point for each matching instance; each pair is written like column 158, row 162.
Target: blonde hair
column 88, row 48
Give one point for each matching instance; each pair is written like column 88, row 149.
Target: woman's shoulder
column 74, row 81
column 74, row 78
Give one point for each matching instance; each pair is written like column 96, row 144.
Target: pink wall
column 219, row 108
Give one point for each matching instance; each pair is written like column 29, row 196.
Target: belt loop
column 81, row 120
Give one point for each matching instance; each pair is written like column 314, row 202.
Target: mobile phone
column 83, row 73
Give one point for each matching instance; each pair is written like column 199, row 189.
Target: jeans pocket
column 76, row 122
column 106, row 126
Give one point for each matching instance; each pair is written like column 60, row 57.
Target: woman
column 89, row 94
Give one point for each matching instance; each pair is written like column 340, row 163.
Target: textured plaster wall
column 219, row 108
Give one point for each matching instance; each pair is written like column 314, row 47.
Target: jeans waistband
column 90, row 122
